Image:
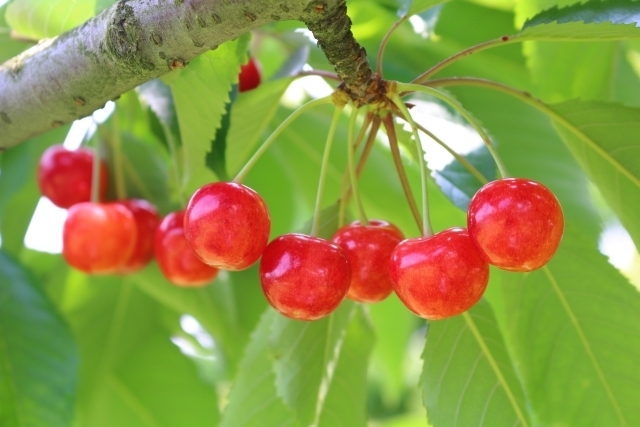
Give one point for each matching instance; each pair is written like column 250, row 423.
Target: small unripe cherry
column 368, row 249
column 227, row 224
column 65, row 176
column 516, row 223
column 304, row 277
column 98, row 238
column 439, row 276
column 177, row 261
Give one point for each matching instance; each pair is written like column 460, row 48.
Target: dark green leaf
column 38, row 356
column 590, row 12
column 458, row 184
column 468, row 379
column 216, row 158
column 159, row 98
column 569, row 328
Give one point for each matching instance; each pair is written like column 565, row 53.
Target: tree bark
column 70, row 76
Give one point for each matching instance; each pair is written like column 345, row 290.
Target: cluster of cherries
column 512, row 223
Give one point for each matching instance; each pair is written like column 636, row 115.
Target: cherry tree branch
column 70, row 76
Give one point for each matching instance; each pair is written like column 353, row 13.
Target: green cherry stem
column 464, row 162
column 116, row 145
column 408, row 87
column 427, row 231
column 265, row 145
column 95, row 169
column 385, row 40
column 422, row 78
column 352, row 170
column 387, row 121
column 315, row 226
column 175, row 161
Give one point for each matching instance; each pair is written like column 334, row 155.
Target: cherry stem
column 464, row 162
column 265, row 145
column 422, row 78
column 387, row 121
column 407, row 87
column 385, row 40
column 345, row 190
column 116, row 145
column 427, row 231
column 321, row 73
column 177, row 169
column 315, row 227
column 352, row 170
column 95, row 170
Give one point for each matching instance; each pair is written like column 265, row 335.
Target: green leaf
column 131, row 373
column 305, row 356
column 38, row 19
column 19, row 192
column 593, row 11
column 248, row 123
column 38, row 356
column 468, row 379
column 568, row 327
column 253, row 401
column 216, row 158
column 594, row 20
column 458, row 184
column 157, row 95
column 227, row 308
column 346, row 401
column 8, row 46
column 603, row 138
column 419, row 6
column 200, row 92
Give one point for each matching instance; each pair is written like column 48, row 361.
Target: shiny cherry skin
column 368, row 249
column 65, row 176
column 147, row 220
column 516, row 223
column 303, row 277
column 227, row 224
column 177, row 261
column 249, row 77
column 98, row 238
column 439, row 276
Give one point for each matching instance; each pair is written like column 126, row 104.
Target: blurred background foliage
column 556, row 347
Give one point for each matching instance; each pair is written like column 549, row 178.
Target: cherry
column 249, row 76
column 304, row 277
column 64, row 176
column 439, row 276
column 516, row 223
column 177, row 261
column 227, row 224
column 98, row 237
column 147, row 220
column 368, row 247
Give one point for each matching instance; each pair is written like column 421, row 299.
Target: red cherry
column 439, row 276
column 304, row 277
column 249, row 76
column 227, row 224
column 147, row 220
column 368, row 247
column 516, row 223
column 177, row 261
column 64, row 176
column 98, row 237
